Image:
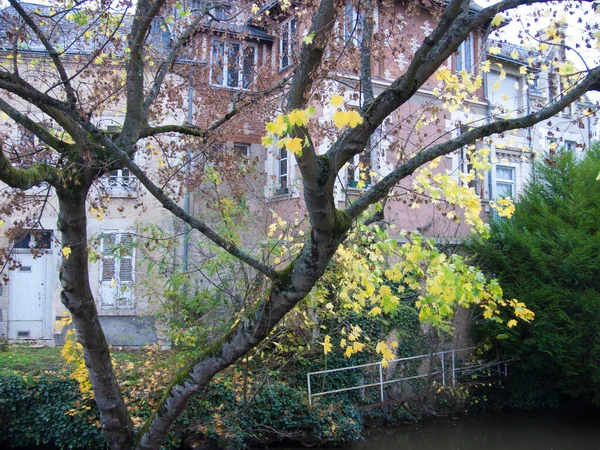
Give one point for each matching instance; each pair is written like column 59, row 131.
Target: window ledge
column 116, row 312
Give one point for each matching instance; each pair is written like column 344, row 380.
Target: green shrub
column 40, row 410
column 548, row 256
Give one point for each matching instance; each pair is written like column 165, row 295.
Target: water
column 488, row 432
column 522, row 431
column 513, row 431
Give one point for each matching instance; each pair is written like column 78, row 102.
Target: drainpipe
column 492, row 154
column 186, row 201
column 529, row 129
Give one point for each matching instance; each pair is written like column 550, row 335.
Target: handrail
column 381, row 383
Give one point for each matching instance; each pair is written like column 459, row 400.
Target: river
column 512, row 431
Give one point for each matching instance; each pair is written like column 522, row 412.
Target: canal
column 527, row 430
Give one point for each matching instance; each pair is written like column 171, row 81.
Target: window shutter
column 108, row 271
column 117, row 271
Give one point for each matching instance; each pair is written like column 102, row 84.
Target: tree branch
column 20, row 178
column 144, row 14
column 170, row 59
column 71, row 97
column 43, row 134
column 365, row 56
column 382, row 188
column 169, row 204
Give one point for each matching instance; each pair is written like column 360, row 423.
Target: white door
column 27, row 298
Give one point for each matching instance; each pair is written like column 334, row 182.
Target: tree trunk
column 77, row 296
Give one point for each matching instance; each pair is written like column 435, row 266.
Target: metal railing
column 455, row 372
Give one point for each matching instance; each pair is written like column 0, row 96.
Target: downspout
column 186, row 200
column 529, row 129
column 485, row 82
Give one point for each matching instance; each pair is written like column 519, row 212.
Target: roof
column 513, row 53
column 244, row 30
column 65, row 33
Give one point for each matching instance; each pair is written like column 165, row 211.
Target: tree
column 110, row 59
column 547, row 256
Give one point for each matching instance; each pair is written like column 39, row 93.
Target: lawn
column 26, row 360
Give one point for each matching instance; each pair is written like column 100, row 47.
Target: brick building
column 235, row 56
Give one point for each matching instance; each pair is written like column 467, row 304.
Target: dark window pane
column 217, row 63
column 248, row 67
column 37, row 239
column 233, row 65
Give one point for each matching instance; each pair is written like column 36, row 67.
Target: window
column 241, row 148
column 505, row 93
column 562, row 144
column 505, row 182
column 463, row 60
column 361, row 168
column 117, row 271
column 232, row 64
column 36, row 239
column 534, row 84
column 223, row 12
column 354, row 24
column 120, row 183
column 195, row 4
column 287, row 44
column 283, row 178
column 570, row 145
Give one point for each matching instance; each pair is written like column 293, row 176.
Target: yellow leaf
column 354, row 119
column 511, row 323
column 327, row 344
column 279, row 127
column 299, row 117
column 294, row 145
column 375, row 311
column 336, row 100
column 309, row 39
column 494, row 50
column 340, row 118
column 66, row 251
column 497, row 20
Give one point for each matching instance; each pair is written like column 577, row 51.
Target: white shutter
column 126, row 273
column 108, row 272
column 117, row 271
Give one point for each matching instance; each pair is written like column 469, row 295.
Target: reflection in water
column 487, row 432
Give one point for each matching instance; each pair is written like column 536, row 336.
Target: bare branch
column 144, row 15
column 39, row 131
column 382, row 188
column 365, row 56
column 166, row 65
column 54, row 55
column 169, row 204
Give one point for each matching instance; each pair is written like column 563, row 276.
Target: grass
column 27, row 360
column 24, row 359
